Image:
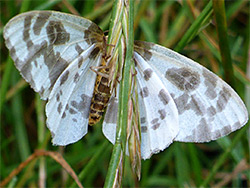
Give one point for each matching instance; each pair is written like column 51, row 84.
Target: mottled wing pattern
column 43, row 43
column 53, row 52
column 208, row 107
column 69, row 102
column 158, row 112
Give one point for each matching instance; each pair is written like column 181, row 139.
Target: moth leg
column 134, row 74
column 105, row 45
column 93, row 68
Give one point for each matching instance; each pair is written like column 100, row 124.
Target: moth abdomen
column 100, row 98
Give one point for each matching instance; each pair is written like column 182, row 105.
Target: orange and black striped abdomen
column 100, row 97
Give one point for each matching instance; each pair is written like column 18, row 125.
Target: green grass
column 190, row 29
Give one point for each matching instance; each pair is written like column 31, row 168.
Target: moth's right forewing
column 208, row 107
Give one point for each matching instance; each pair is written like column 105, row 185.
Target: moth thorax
column 99, row 100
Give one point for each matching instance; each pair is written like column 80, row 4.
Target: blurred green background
column 223, row 163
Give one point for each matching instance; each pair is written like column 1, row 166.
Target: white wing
column 208, row 107
column 158, row 112
column 69, row 101
column 43, row 43
column 110, row 118
column 53, row 51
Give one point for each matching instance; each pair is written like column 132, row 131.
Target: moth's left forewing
column 208, row 107
column 43, row 43
column 54, row 52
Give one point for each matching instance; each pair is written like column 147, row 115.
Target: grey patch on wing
column 34, row 53
column 94, row 53
column 226, row 130
column 144, row 92
column 56, row 64
column 162, row 113
column 135, row 62
column 164, row 97
column 147, row 55
column 12, row 51
column 210, row 82
column 53, row 61
column 142, row 50
column 56, row 33
column 74, row 104
column 211, row 111
column 147, row 74
column 76, row 77
column 222, row 132
column 72, row 111
column 36, row 64
column 57, row 97
column 144, row 129
column 78, row 49
column 181, row 102
column 80, row 61
column 82, row 106
column 196, row 105
column 26, row 30
column 59, row 108
column 143, row 120
column 60, row 92
column 67, row 107
column 203, row 131
column 40, row 22
column 92, row 34
column 223, row 99
column 89, row 38
column 111, row 113
column 156, row 126
column 183, row 78
column 95, row 29
column 237, row 124
column 155, row 123
column 64, row 77
column 74, row 119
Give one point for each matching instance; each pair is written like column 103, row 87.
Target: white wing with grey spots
column 208, row 108
column 43, row 43
column 68, row 105
column 158, row 112
column 53, row 52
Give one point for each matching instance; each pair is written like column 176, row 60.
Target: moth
column 179, row 100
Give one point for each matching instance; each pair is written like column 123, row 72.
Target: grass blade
column 192, row 31
column 224, row 156
column 117, row 158
column 221, row 25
